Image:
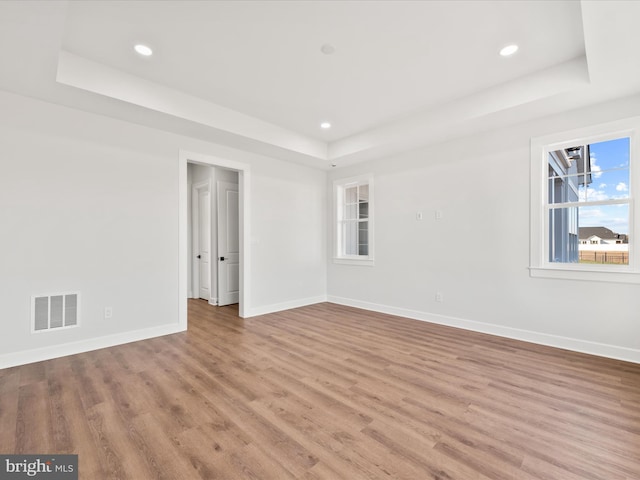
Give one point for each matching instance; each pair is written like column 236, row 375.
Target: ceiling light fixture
column 143, row 50
column 509, row 50
column 327, row 49
column 325, row 125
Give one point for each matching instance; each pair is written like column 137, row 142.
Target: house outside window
column 583, row 208
column 354, row 220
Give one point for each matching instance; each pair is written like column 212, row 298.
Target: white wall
column 481, row 185
column 90, row 204
column 288, row 236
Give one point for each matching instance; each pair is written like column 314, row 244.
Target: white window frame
column 339, row 187
column 540, row 266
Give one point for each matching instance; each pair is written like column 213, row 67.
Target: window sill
column 591, row 275
column 363, row 262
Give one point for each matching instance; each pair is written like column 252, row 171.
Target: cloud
column 596, row 171
column 602, row 185
column 622, row 187
column 595, row 195
column 591, row 216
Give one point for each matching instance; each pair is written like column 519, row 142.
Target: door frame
column 195, row 239
column 244, row 190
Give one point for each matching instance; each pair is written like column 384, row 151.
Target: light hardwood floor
column 327, row 392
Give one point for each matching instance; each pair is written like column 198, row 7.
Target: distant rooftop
column 600, row 232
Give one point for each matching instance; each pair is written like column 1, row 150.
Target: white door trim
column 244, row 191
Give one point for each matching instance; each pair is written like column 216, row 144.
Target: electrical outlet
column 439, row 214
column 419, row 216
column 439, row 297
column 108, row 312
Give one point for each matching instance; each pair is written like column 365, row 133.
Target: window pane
column 351, row 195
column 363, row 210
column 606, row 185
column 363, row 238
column 566, row 172
column 564, row 189
column 598, row 234
column 351, row 212
column 608, row 170
column 351, row 238
column 363, row 193
column 609, row 155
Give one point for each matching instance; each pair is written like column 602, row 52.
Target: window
column 354, row 220
column 582, row 203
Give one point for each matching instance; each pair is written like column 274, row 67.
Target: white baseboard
column 584, row 346
column 574, row 344
column 72, row 348
column 278, row 307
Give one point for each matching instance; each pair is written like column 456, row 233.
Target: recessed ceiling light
column 143, row 50
column 325, row 125
column 509, row 50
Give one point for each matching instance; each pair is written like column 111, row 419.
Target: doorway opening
column 214, row 226
column 214, row 229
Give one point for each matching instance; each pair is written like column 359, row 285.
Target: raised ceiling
column 251, row 74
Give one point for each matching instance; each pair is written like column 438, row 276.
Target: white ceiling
column 251, row 74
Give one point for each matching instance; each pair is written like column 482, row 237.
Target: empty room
column 321, row 240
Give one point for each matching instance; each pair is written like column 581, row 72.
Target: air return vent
column 52, row 312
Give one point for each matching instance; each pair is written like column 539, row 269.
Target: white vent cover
column 52, row 312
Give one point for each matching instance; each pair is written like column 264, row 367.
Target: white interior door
column 204, row 243
column 228, row 244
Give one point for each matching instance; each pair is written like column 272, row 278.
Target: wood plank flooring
column 327, row 392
